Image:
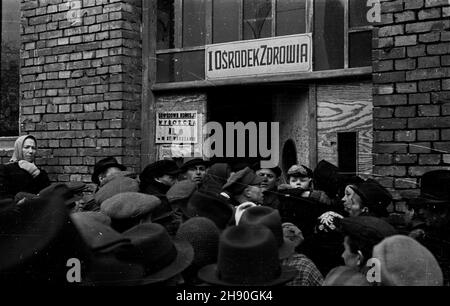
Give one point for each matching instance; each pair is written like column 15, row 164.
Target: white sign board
column 259, row 57
column 176, row 127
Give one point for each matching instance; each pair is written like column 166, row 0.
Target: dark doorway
column 347, row 152
column 289, row 156
column 240, row 104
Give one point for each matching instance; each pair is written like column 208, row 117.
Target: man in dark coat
column 432, row 211
column 156, row 179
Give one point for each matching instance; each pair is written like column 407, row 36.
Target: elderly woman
column 21, row 174
column 368, row 198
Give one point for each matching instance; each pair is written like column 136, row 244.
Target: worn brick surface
column 414, row 40
column 81, row 83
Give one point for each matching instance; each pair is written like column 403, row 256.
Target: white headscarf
column 18, row 145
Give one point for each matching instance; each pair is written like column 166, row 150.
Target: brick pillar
column 411, row 63
column 81, row 83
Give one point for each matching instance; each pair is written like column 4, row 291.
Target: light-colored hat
column 405, row 262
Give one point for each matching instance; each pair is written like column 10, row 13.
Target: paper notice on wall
column 177, row 127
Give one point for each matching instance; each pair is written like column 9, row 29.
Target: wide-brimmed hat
column 269, row 217
column 104, row 164
column 240, row 180
column 162, row 257
column 405, row 262
column 97, row 235
column 60, row 190
column 194, row 162
column 37, row 240
column 434, row 189
column 119, row 184
column 248, row 256
column 158, row 169
column 211, row 206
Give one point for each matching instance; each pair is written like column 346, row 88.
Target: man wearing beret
column 269, row 184
column 432, row 207
column 195, row 170
column 156, row 179
column 243, row 187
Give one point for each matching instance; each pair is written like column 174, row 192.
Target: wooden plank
column 208, row 21
column 346, row 26
column 345, row 108
column 340, row 73
column 178, row 12
column 273, row 20
column 309, row 16
column 312, row 109
column 148, row 152
column 175, row 50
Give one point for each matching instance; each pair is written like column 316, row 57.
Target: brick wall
column 411, row 54
column 81, row 83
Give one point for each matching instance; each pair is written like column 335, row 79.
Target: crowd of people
column 197, row 222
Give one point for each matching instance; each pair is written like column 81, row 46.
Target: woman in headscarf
column 21, row 174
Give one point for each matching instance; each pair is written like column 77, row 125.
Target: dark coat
column 163, row 214
column 14, row 179
column 271, row 199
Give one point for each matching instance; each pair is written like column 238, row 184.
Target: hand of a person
column 29, row 167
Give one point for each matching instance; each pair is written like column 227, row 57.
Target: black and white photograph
column 225, row 148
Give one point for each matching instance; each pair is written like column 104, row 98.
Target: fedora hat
column 434, row 188
column 36, row 242
column 60, row 190
column 247, row 256
column 97, row 235
column 270, row 218
column 159, row 168
column 211, row 206
column 104, row 164
column 162, row 257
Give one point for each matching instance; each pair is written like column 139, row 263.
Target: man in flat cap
column 244, row 190
column 195, row 170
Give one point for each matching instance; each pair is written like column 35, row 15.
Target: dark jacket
column 14, row 179
column 163, row 214
column 271, row 199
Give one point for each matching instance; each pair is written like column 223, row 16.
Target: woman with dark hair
column 361, row 234
column 21, row 174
